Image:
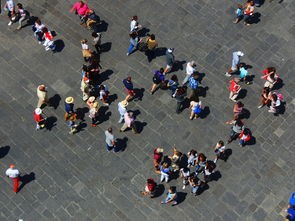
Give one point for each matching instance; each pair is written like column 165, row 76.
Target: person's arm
column 74, row 7
column 171, row 199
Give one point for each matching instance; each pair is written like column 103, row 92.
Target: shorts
column 130, row 92
column 156, row 81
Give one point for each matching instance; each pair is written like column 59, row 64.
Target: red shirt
column 234, row 87
column 157, row 156
column 38, row 118
column 151, row 186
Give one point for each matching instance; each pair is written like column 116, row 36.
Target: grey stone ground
column 76, row 179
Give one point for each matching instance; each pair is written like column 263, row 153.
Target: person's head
column 94, row 34
column 221, row 143
column 152, row 37
column 85, row 67
column 38, row 21
column 271, row 69
column 134, row 18
column 246, row 132
column 82, row 3
column 165, row 165
column 240, row 6
column 19, row 5
column 172, row 189
column 101, row 87
column 128, row 78
column 193, row 152
column 110, row 130
column 202, row 157
column 193, row 64
column 174, row 78
column 11, row 166
column 239, row 122
column 251, row 2
column 161, row 70
column 42, row 87
column 240, row 104
column 150, row 181
column 160, row 150
column 265, row 90
column 83, row 41
column 274, row 97
column 133, row 34
column 44, row 30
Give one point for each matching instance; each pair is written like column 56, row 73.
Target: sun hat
column 91, row 99
column 95, row 104
column 38, row 110
column 124, row 103
column 69, row 100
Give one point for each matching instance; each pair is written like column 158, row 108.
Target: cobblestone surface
column 76, row 179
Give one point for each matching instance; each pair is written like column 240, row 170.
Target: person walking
column 37, row 29
column 235, row 63
column 104, row 94
column 69, row 107
column 39, row 119
column 96, row 41
column 22, row 14
column 158, row 156
column 171, row 197
column 86, row 52
column 129, row 87
column 193, row 84
column 133, row 42
column 42, row 95
column 265, row 97
column 165, row 171
column 190, row 69
column 13, row 174
column 122, row 110
column 234, row 89
column 172, row 84
column 10, row 7
column 270, row 77
column 80, row 8
column 72, row 118
column 152, row 44
column 248, row 12
column 236, row 129
column 184, row 174
column 239, row 13
column 93, row 112
column 179, row 95
column 134, row 25
column 158, row 79
column 238, row 109
column 129, row 122
column 196, row 109
column 48, row 39
column 219, row 150
column 195, row 184
column 169, row 60
column 85, row 88
column 110, row 140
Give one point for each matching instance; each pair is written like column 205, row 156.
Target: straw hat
column 69, row 100
column 95, row 104
column 91, row 99
column 124, row 103
column 38, row 110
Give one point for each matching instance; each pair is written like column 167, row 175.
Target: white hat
column 38, row 110
column 239, row 53
column 170, row 50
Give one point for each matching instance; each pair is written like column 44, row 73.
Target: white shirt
column 12, row 173
column 133, row 25
column 190, row 69
column 122, row 110
column 85, row 46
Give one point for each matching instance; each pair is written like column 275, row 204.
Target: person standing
column 158, row 79
column 158, row 155
column 86, row 52
column 151, row 46
column 37, row 29
column 110, row 140
column 69, row 107
column 85, row 88
column 196, row 109
column 96, row 41
column 42, row 95
column 235, row 63
column 169, row 60
column 133, row 42
column 104, row 94
column 10, row 7
column 236, row 129
column 165, row 171
column 193, row 83
column 134, row 25
column 219, row 150
column 129, row 87
column 73, row 127
column 122, row 110
column 48, row 39
column 179, row 95
column 248, row 12
column 149, row 188
column 13, row 174
column 129, row 122
column 80, row 8
column 40, row 120
column 190, row 69
column 234, row 89
column 93, row 112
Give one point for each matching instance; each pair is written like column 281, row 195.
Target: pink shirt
column 80, row 10
column 128, row 120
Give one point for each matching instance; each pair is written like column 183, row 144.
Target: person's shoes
column 183, row 187
column 227, row 74
column 215, row 160
column 120, row 130
column 39, row 42
column 260, row 106
column 19, row 27
column 93, row 125
column 10, row 23
column 248, row 82
column 127, row 54
column 47, row 48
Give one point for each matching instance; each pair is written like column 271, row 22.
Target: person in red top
column 80, row 8
column 48, row 39
column 248, row 12
column 234, row 89
column 245, row 137
column 150, row 187
column 40, row 121
column 158, row 154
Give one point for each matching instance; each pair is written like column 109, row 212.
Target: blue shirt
column 128, row 84
column 160, row 76
column 69, row 108
column 193, row 83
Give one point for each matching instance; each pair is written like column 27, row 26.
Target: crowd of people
column 189, row 167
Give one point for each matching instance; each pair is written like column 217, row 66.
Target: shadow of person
column 121, row 144
column 181, row 197
column 227, row 153
column 205, row 112
column 245, row 114
column 136, row 113
column 105, row 47
column 112, row 98
column 140, row 126
column 178, row 65
column 80, row 127
column 54, row 101
column 81, row 112
column 4, row 151
column 138, row 94
column 25, row 179
column 161, row 51
column 242, row 94
column 159, row 190
column 103, row 76
column 101, row 27
column 202, row 189
column 50, row 122
column 31, row 21
column 215, row 176
column 59, row 45
column 255, row 19
column 103, row 115
column 143, row 32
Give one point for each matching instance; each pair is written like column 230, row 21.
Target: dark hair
column 246, row 132
column 271, row 69
column 150, row 180
column 240, row 104
column 152, row 37
column 19, row 5
column 193, row 152
column 201, row 155
column 274, row 96
column 221, row 143
column 84, row 67
column 174, row 78
column 133, row 34
column 265, row 90
column 94, row 34
column 110, row 130
column 44, row 30
column 134, row 17
column 239, row 122
column 173, row 189
column 101, row 87
column 162, row 70
column 38, row 21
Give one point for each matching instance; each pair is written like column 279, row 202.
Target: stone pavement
column 76, row 179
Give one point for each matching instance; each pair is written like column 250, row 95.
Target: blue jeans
column 195, row 189
column 242, row 142
column 109, row 148
column 130, row 48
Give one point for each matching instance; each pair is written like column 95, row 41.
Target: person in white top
column 37, row 29
column 122, row 110
column 22, row 13
column 134, row 26
column 13, row 174
column 190, row 69
column 9, row 6
column 219, row 150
